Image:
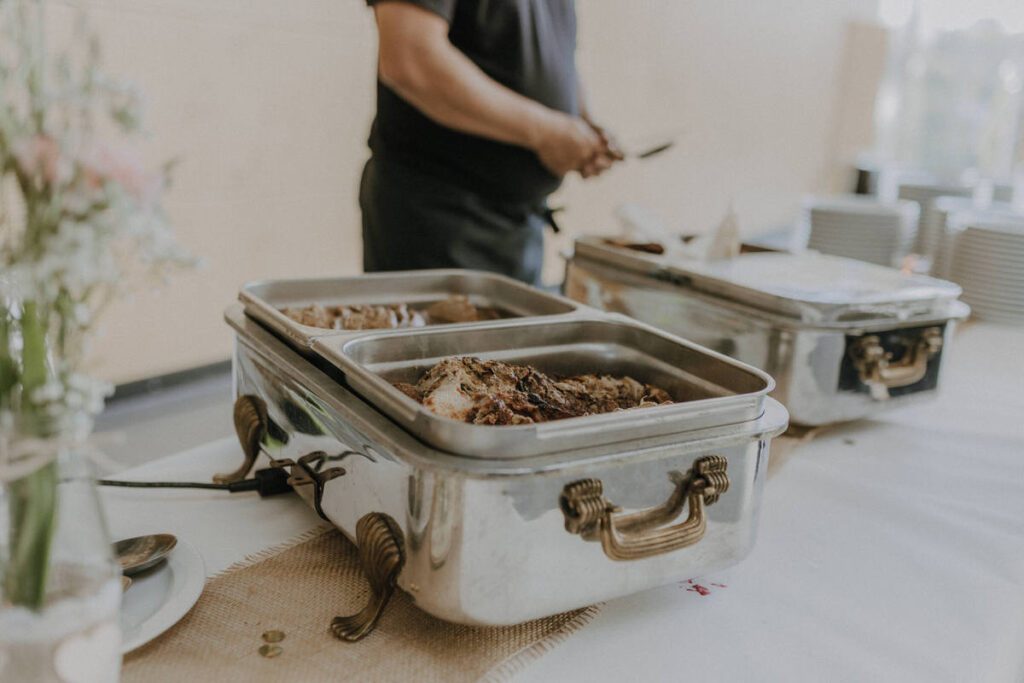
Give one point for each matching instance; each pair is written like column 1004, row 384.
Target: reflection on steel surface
column 250, row 415
column 380, row 552
column 636, row 536
column 878, row 370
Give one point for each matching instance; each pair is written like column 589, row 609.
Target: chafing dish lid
column 811, row 287
column 815, row 286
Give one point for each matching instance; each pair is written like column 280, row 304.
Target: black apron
column 414, row 220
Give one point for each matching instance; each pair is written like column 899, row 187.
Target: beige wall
column 267, row 103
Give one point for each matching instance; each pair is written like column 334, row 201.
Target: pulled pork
column 455, row 309
column 494, row 393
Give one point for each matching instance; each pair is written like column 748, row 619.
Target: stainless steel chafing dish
column 842, row 338
column 499, row 525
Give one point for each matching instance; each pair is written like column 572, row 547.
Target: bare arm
column 418, row 62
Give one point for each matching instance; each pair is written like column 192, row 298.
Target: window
column 951, row 101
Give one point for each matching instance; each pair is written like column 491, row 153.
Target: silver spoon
column 143, row 552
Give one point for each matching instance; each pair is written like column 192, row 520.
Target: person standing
column 479, row 117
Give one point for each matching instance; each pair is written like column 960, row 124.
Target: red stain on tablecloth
column 692, row 587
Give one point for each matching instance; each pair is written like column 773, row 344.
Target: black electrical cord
column 266, row 482
column 169, row 484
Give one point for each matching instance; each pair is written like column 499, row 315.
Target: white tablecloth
column 890, row 550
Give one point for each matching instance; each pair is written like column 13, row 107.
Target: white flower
column 101, row 222
column 52, row 391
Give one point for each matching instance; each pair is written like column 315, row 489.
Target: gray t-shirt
column 526, row 45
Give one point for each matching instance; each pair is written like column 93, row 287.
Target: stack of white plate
column 988, row 262
column 924, row 194
column 862, row 228
column 1002, row 192
column 949, row 215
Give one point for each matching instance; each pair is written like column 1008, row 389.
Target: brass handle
column 641, row 534
column 876, row 369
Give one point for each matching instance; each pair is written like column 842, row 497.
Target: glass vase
column 70, row 632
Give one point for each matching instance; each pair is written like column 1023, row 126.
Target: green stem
column 8, row 368
column 33, row 507
column 33, row 356
column 33, row 498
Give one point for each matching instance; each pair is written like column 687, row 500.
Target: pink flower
column 102, row 164
column 39, row 156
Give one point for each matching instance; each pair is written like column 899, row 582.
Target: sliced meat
column 471, row 390
column 456, row 309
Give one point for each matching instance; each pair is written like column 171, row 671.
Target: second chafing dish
column 264, row 299
column 842, row 338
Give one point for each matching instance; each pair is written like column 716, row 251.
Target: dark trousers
column 412, row 221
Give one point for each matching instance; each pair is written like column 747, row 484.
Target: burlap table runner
column 298, row 589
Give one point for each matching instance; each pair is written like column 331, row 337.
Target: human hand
column 567, row 143
column 610, row 151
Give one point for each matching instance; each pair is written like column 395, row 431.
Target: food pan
column 264, row 298
column 709, row 388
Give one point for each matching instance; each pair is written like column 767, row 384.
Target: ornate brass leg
column 251, row 427
column 382, row 557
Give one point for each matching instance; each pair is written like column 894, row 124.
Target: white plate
column 994, row 295
column 997, row 317
column 158, row 599
column 1007, row 253
column 857, row 233
column 831, row 216
column 1016, row 308
column 994, row 299
column 861, row 237
column 984, row 243
column 990, row 261
column 1017, row 243
column 987, row 269
column 853, row 237
column 995, row 238
column 994, row 282
column 876, row 247
column 839, row 222
column 991, row 267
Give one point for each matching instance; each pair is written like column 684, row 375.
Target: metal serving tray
column 811, row 287
column 264, row 298
column 710, row 388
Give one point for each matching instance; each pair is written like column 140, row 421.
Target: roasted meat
column 357, row 317
column 455, row 309
column 494, row 393
column 458, row 309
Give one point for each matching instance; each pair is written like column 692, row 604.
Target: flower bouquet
column 80, row 217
